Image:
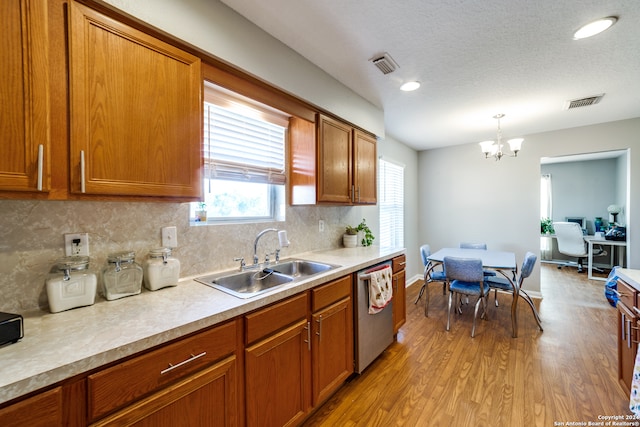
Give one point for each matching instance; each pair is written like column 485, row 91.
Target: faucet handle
column 242, row 263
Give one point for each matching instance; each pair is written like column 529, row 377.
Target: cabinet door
column 627, row 345
column 207, row 398
column 335, row 159
column 135, row 111
column 332, row 348
column 364, row 168
column 277, row 377
column 24, row 95
column 399, row 301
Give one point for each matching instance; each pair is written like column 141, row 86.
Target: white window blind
column 391, row 203
column 242, row 142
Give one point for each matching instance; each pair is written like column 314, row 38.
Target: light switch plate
column 169, row 237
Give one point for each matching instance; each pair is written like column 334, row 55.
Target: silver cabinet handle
column 308, row 340
column 319, row 333
column 184, row 362
column 40, row 163
column 82, row 187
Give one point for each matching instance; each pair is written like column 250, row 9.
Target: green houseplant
column 546, row 226
column 350, row 238
column 201, row 212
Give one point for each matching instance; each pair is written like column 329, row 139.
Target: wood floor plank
column 431, row 377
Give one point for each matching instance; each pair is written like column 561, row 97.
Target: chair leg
column 495, row 294
column 424, row 285
column 449, row 310
column 527, row 298
column 426, row 303
column 475, row 315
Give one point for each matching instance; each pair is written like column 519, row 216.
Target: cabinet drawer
column 121, row 384
column 627, row 294
column 271, row 319
column 44, row 409
column 327, row 294
column 399, row 263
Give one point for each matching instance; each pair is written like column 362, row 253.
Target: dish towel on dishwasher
column 380, row 290
column 634, row 398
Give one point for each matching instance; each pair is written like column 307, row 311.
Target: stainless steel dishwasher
column 374, row 332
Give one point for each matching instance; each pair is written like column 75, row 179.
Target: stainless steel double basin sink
column 252, row 282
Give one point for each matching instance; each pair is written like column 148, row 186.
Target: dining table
column 501, row 262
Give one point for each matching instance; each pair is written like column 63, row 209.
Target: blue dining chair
column 480, row 246
column 431, row 275
column 465, row 277
column 498, row 283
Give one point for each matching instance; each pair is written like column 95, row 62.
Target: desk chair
column 571, row 242
column 465, row 277
column 430, row 276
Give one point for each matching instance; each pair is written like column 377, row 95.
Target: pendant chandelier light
column 494, row 148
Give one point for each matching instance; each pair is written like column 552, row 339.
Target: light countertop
column 630, row 276
column 60, row 345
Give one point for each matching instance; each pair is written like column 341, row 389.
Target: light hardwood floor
column 431, row 377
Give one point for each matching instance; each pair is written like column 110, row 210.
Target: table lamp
column 614, row 210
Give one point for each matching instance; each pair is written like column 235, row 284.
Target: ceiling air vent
column 385, row 63
column 583, row 102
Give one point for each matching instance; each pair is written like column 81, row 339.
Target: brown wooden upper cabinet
column 338, row 167
column 24, row 95
column 136, row 111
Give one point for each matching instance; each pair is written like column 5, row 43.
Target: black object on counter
column 11, row 328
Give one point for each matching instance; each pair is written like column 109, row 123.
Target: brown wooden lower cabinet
column 277, row 378
column 207, row 398
column 627, row 333
column 399, row 292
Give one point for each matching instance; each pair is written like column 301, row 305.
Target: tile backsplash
column 31, row 239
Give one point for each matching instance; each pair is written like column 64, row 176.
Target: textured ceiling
column 474, row 59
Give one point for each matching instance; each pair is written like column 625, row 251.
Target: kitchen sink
column 249, row 283
column 246, row 284
column 301, row 268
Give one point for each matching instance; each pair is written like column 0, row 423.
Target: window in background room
column 545, row 212
column 244, row 159
column 391, row 203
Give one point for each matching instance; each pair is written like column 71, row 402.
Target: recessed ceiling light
column 595, row 27
column 409, row 86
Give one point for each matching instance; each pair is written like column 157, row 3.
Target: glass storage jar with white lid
column 122, row 276
column 161, row 270
column 70, row 284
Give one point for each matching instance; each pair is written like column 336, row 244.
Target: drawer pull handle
column 184, row 362
column 634, row 308
column 40, row 165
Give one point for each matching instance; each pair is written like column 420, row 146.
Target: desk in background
column 592, row 240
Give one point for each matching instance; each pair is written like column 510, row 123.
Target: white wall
column 464, row 197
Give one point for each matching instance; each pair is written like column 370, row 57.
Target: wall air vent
column 385, row 63
column 583, row 102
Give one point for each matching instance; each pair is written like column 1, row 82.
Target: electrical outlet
column 76, row 244
column 321, row 226
column 169, row 237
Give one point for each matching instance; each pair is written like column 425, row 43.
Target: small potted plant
column 350, row 238
column 201, row 212
column 546, row 226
